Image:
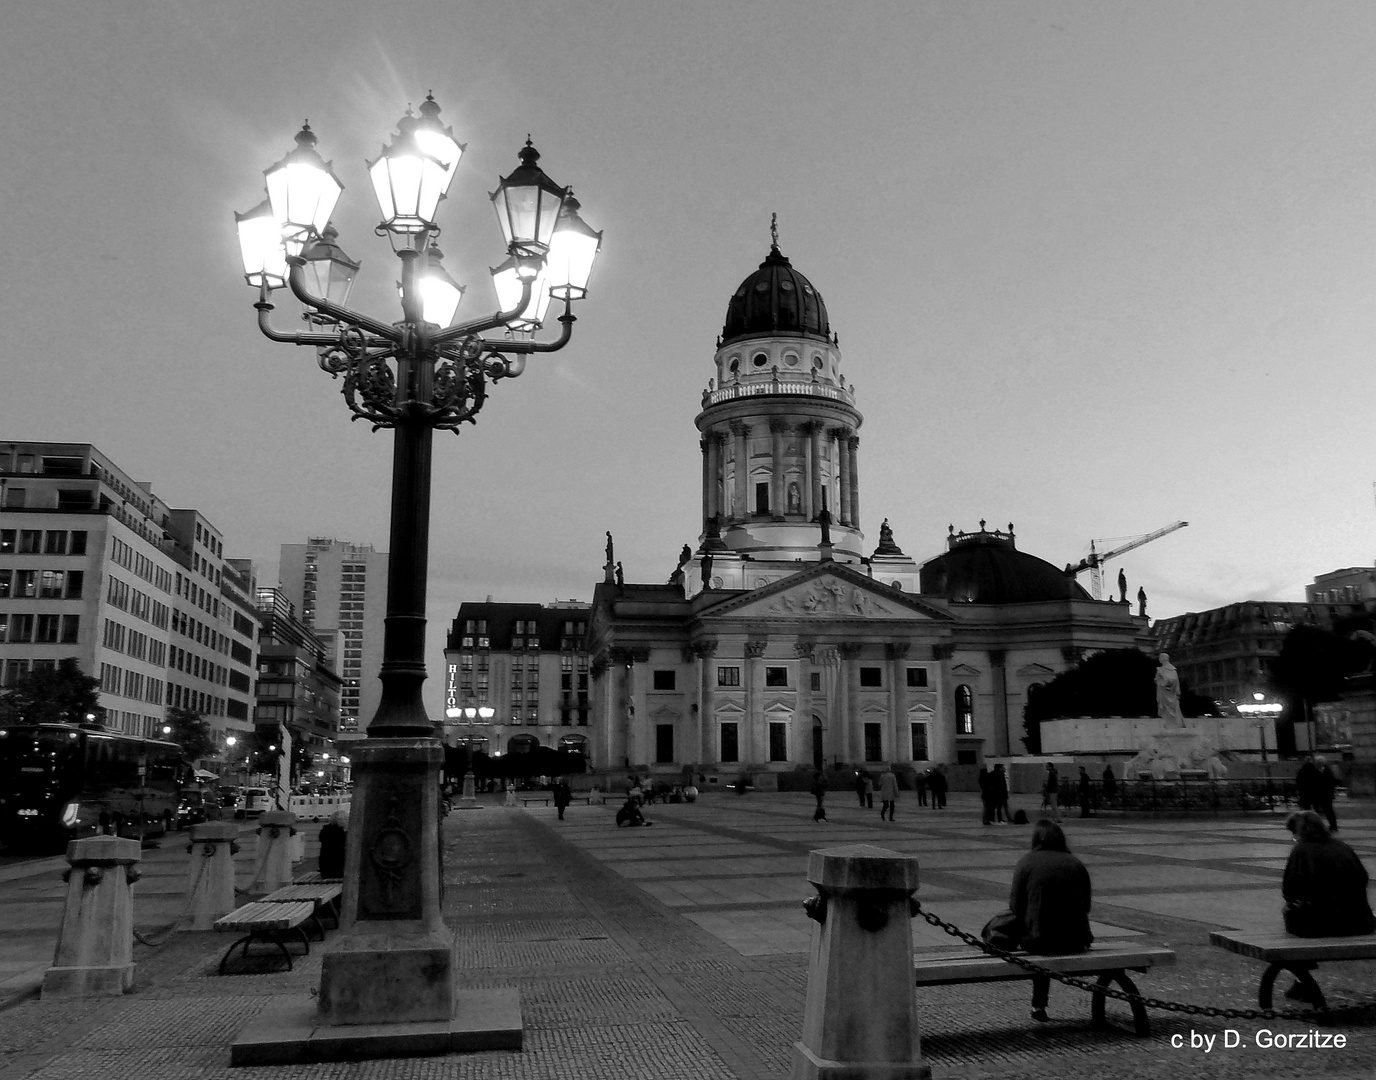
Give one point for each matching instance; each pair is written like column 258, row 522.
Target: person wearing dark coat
column 1325, row 786
column 937, row 782
column 333, row 835
column 986, row 796
column 1306, row 784
column 819, row 792
column 630, row 814
column 563, row 795
column 1086, row 788
column 1051, row 897
column 999, row 785
column 1324, row 884
column 1110, row 784
column 860, row 787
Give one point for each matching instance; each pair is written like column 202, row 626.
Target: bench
column 274, row 923
column 1110, row 963
column 323, row 894
column 526, row 800
column 1297, row 955
column 314, row 878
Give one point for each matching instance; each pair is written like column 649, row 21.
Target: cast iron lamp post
column 391, row 961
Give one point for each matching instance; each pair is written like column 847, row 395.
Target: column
column 843, row 475
column 707, row 700
column 803, row 722
column 853, row 464
column 707, row 483
column 741, row 509
column 714, row 469
column 849, row 694
column 814, row 474
column 752, row 748
column 1002, row 738
column 777, row 428
column 900, row 740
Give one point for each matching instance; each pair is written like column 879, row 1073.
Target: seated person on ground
column 630, row 814
column 1324, row 884
column 1051, row 896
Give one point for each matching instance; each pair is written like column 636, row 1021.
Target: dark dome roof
column 775, row 299
column 986, row 568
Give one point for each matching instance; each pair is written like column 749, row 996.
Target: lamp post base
column 469, row 799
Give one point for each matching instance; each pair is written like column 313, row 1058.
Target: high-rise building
column 341, row 586
column 95, row 566
column 297, row 688
column 528, row 663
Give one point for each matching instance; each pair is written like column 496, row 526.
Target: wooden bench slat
column 261, row 915
column 319, row 892
column 1276, row 946
column 941, row 970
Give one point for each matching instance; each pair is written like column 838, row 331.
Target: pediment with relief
column 1035, row 671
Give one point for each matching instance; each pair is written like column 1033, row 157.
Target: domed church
column 778, row 643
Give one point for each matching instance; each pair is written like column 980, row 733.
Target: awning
column 204, row 774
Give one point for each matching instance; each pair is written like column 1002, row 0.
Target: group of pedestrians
column 993, row 795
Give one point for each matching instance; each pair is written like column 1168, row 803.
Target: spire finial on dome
column 774, row 231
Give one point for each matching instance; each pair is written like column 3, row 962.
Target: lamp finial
column 774, row 231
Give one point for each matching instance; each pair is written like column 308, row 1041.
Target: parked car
column 229, row 797
column 192, row 808
column 253, row 801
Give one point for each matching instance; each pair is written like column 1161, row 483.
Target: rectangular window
column 815, row 681
column 874, row 746
column 52, row 584
column 919, row 741
column 664, row 680
column 917, row 676
column 55, row 543
column 730, row 747
column 664, row 743
column 6, row 583
column 78, row 543
column 28, row 541
column 21, row 628
column 776, row 676
column 762, row 498
column 778, row 741
column 728, row 676
column 6, row 541
column 871, row 676
column 48, row 628
column 75, row 580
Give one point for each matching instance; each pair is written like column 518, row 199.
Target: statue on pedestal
column 1142, row 602
column 1168, row 691
column 1122, row 587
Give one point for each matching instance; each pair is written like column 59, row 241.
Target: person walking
column 986, row 795
column 563, row 795
column 920, row 783
column 511, row 793
column 860, row 787
column 1110, row 784
column 1051, row 897
column 1325, row 786
column 938, row 784
column 333, row 837
column 1051, row 792
column 1306, row 784
column 819, row 792
column 888, row 793
column 1086, row 789
column 1002, row 814
column 869, row 792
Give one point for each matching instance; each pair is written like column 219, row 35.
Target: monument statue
column 1142, row 602
column 706, row 570
column 611, row 559
column 824, row 520
column 685, row 556
column 1122, row 587
column 1168, row 691
column 620, row 577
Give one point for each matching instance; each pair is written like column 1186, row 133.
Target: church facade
column 779, row 644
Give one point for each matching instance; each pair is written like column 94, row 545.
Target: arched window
column 965, row 710
column 577, row 744
column 760, row 359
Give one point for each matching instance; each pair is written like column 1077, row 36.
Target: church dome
column 987, row 568
column 775, row 299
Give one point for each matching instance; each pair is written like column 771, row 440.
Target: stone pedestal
column 210, row 877
column 860, row 1016
column 392, row 961
column 469, row 799
column 95, row 946
column 272, row 864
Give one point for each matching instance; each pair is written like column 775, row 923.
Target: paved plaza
column 680, row 951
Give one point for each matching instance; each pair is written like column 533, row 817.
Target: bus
column 59, row 782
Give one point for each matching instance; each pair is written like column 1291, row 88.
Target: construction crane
column 1095, row 560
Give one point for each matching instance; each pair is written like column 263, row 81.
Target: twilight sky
column 1095, row 267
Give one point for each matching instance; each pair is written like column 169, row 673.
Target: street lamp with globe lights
column 413, row 376
column 1260, row 708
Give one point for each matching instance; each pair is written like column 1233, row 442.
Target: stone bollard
column 210, row 879
column 95, row 946
column 272, row 867
column 860, row 1017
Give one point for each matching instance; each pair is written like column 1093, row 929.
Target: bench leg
column 1301, row 971
column 230, row 951
column 1141, row 1024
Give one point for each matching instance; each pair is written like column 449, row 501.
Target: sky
column 1095, row 267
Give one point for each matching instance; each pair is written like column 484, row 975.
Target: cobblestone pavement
column 680, row 952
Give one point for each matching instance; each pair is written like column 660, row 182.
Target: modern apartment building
column 1350, row 585
column 528, row 663
column 96, row 566
column 339, row 586
column 297, row 688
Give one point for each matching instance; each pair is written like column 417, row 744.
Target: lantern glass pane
column 260, row 247
column 571, row 253
column 439, row 299
column 303, row 197
column 509, row 285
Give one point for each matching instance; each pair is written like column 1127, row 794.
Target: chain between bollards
column 1122, row 995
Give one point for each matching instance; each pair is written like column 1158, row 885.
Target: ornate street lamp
column 412, row 376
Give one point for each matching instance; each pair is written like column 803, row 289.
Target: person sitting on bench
column 1050, row 896
column 630, row 814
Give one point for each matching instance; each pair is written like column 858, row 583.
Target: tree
column 191, row 732
column 1117, row 682
column 1312, row 665
column 64, row 694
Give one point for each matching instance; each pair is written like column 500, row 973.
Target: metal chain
column 1122, row 995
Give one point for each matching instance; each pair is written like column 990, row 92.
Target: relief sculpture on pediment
column 828, row 598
